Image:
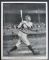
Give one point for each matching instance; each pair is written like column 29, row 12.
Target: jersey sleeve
column 20, row 24
column 31, row 25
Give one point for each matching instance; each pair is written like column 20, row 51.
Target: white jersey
column 25, row 24
column 23, row 35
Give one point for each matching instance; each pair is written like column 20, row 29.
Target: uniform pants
column 22, row 38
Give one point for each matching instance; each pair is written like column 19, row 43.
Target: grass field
column 38, row 43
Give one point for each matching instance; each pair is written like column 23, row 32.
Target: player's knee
column 17, row 45
column 28, row 44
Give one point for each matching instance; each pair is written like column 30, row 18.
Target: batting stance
column 23, row 35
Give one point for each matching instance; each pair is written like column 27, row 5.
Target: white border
column 30, row 57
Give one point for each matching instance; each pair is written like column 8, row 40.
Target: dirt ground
column 38, row 44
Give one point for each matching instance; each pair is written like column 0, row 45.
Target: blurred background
column 12, row 17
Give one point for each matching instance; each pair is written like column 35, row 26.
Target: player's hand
column 17, row 27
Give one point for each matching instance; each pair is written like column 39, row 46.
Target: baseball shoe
column 36, row 53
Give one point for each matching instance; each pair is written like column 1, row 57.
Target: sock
column 15, row 47
column 29, row 46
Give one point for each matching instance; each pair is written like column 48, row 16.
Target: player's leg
column 15, row 47
column 25, row 40
column 30, row 47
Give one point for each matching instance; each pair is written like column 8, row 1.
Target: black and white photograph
column 24, row 30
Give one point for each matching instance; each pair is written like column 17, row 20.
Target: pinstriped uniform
column 23, row 35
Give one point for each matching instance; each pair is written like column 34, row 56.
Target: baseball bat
column 21, row 15
column 22, row 19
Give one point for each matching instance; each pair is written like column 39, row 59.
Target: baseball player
column 26, row 24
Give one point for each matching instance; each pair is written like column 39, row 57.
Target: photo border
column 24, row 57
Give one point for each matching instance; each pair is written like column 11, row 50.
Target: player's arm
column 30, row 27
column 19, row 26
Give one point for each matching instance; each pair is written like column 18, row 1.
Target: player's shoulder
column 23, row 21
column 31, row 22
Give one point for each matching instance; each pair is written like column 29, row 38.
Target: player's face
column 28, row 20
